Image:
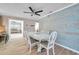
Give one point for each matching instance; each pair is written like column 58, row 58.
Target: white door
column 15, row 29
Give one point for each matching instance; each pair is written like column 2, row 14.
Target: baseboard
column 75, row 51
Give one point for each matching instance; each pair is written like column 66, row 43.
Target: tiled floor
column 19, row 47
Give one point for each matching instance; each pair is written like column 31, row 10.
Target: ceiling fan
column 33, row 12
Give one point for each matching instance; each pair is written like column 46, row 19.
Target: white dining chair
column 31, row 42
column 50, row 43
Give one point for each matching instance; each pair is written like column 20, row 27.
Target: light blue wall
column 66, row 23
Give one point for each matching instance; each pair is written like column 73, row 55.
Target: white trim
column 58, row 10
column 68, row 48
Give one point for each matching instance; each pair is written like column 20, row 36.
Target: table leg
column 39, row 48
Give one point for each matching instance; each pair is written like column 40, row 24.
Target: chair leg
column 47, row 51
column 53, row 51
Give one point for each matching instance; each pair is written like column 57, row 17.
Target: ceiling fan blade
column 27, row 12
column 37, row 14
column 31, row 9
column 38, row 11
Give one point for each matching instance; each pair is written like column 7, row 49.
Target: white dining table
column 41, row 36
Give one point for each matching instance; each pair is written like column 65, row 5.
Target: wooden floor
column 19, row 47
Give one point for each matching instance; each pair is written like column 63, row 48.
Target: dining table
column 41, row 36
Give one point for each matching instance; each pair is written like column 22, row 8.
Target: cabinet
column 1, row 22
column 2, row 28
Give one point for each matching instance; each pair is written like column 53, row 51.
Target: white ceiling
column 16, row 9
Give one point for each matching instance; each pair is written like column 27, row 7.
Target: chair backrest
column 26, row 35
column 52, row 39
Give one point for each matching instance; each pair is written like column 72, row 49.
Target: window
column 36, row 26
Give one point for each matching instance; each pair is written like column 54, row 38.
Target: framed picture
column 15, row 28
